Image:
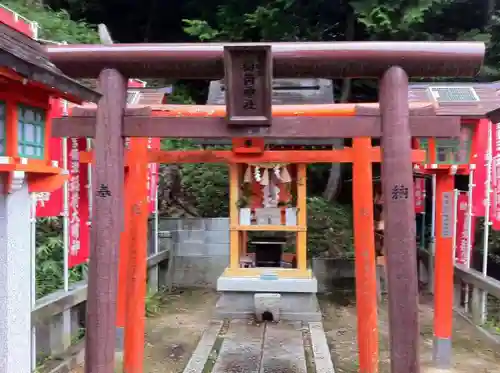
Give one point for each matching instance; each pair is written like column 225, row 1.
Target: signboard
column 153, row 143
column 461, row 234
column 78, row 194
column 248, row 84
column 419, row 195
column 495, row 177
column 447, row 215
column 51, row 204
column 479, row 159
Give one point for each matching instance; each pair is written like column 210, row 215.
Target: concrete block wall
column 50, row 339
column 202, row 253
column 201, row 250
column 329, row 271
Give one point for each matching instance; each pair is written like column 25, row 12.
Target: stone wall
column 201, row 253
column 201, row 250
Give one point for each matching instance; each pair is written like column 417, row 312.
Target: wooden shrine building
column 28, row 83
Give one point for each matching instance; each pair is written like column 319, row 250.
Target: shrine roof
column 468, row 100
column 142, row 96
column 285, row 91
column 27, row 58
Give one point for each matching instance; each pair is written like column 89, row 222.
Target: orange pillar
column 234, row 220
column 443, row 288
column 136, row 286
column 123, row 273
column 364, row 248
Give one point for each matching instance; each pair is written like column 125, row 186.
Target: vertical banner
column 79, row 233
column 51, row 204
column 461, row 232
column 419, row 195
column 495, row 177
column 153, row 144
column 480, row 147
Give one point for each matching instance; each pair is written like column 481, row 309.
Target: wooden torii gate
column 248, row 70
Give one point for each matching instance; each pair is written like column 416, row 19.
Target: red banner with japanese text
column 462, row 228
column 419, row 188
column 153, row 144
column 495, row 177
column 51, row 204
column 480, row 147
column 78, row 204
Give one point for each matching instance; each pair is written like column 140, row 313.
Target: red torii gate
column 391, row 62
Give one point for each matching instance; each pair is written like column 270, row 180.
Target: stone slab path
column 182, row 338
column 243, row 346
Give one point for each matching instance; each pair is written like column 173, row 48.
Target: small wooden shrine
column 272, row 195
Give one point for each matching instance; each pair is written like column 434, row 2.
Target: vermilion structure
column 250, row 118
column 28, row 82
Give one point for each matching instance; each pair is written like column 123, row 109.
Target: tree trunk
column 172, row 200
column 334, row 179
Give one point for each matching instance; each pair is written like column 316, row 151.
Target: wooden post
column 107, row 224
column 443, row 285
column 134, row 330
column 302, row 216
column 399, row 217
column 234, row 218
column 364, row 246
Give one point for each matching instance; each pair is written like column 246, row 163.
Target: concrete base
column 259, row 285
column 441, row 353
column 267, row 303
column 120, row 344
column 292, row 307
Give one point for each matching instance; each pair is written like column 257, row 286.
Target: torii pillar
column 107, row 185
column 399, row 217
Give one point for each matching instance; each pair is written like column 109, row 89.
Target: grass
column 308, row 351
column 214, row 353
column 154, row 303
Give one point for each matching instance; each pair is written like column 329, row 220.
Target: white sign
column 446, row 215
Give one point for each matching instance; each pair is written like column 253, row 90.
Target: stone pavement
column 243, row 346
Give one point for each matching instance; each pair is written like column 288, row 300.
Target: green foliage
column 288, row 20
column 201, row 29
column 208, row 184
column 50, row 258
column 329, row 228
column 153, row 303
column 395, row 16
column 54, row 25
column 180, row 95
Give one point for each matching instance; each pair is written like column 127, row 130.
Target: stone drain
column 267, row 306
